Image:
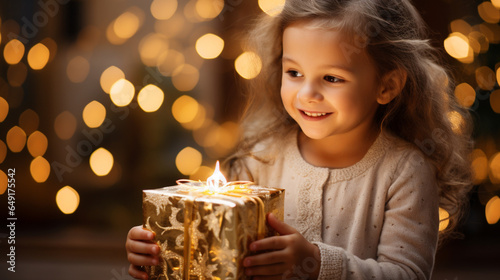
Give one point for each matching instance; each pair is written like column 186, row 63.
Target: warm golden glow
column 16, row 74
column 109, row 77
column 488, row 12
column 457, row 45
column 3, row 182
column 494, row 173
column 126, row 25
column 492, row 210
column 496, row 3
column 101, row 162
column 51, row 45
column 38, row 56
column 479, row 166
column 111, row 35
column 3, row 151
column 65, row 125
column 13, row 51
column 460, row 25
column 271, row 7
column 198, row 120
column 444, row 220
column 209, row 9
column 208, row 135
column 122, row 92
column 485, row 78
column 185, row 109
column 151, row 47
column 4, row 109
column 498, row 75
column 202, row 173
column 37, row 144
column 78, row 69
column 248, row 65
column 16, row 139
column 495, row 101
column 40, row 169
column 456, row 120
column 67, row 200
column 150, row 98
column 185, row 77
column 188, row 161
column 29, row 121
column 168, row 61
column 224, row 139
column 479, row 42
column 163, row 9
column 94, row 114
column 172, row 27
column 209, row 46
column 465, row 94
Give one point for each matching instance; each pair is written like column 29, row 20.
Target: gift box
column 204, row 234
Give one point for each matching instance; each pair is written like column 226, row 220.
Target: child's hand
column 141, row 251
column 286, row 256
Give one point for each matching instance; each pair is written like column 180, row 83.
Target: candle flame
column 217, row 180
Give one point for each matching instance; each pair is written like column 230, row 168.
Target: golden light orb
column 67, row 200
column 188, row 161
column 94, row 114
column 122, row 92
column 101, row 162
column 16, row 139
column 209, row 46
column 110, row 76
column 248, row 65
column 150, row 98
column 38, row 56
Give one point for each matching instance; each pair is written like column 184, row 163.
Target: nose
column 309, row 93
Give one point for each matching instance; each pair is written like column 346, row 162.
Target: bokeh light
column 271, row 7
column 185, row 109
column 479, row 42
column 492, row 210
column 163, row 9
column 151, row 47
column 65, row 125
column 465, row 94
column 67, row 200
column 38, row 56
column 16, row 74
column 122, row 92
column 126, row 25
column 101, row 162
column 4, row 181
column 498, row 75
column 209, row 9
column 457, row 46
column 479, row 166
column 111, row 35
column 94, row 114
column 202, row 173
column 40, row 169
column 16, row 139
column 495, row 101
column 209, row 46
column 13, row 51
column 78, row 69
column 494, row 173
column 248, row 65
column 110, row 76
column 168, row 61
column 461, row 26
column 37, row 144
column 29, row 121
column 52, row 46
column 3, row 151
column 198, row 120
column 496, row 3
column 444, row 220
column 150, row 98
column 4, row 109
column 488, row 12
column 185, row 77
column 485, row 78
column 188, row 161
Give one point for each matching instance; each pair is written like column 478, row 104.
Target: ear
column 391, row 86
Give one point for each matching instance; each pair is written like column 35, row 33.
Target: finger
column 141, row 247
column 141, row 260
column 135, row 272
column 140, row 233
column 279, row 226
column 271, row 258
column 269, row 243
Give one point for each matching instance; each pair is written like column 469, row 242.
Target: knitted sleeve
column 409, row 235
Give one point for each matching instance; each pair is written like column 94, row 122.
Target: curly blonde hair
column 392, row 32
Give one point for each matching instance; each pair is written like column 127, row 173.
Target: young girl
column 351, row 115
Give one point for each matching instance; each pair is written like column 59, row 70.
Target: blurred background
column 102, row 99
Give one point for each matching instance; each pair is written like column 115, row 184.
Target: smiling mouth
column 314, row 115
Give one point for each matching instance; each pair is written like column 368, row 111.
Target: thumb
column 279, row 226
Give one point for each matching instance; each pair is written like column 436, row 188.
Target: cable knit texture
column 377, row 219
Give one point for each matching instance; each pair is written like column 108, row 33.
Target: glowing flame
column 216, row 181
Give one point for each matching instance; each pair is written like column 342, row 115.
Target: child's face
column 329, row 85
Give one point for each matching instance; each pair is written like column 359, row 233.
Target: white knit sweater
column 377, row 219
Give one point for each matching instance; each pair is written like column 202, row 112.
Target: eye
column 332, row 79
column 294, row 74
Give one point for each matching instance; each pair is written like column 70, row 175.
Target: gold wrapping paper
column 210, row 230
